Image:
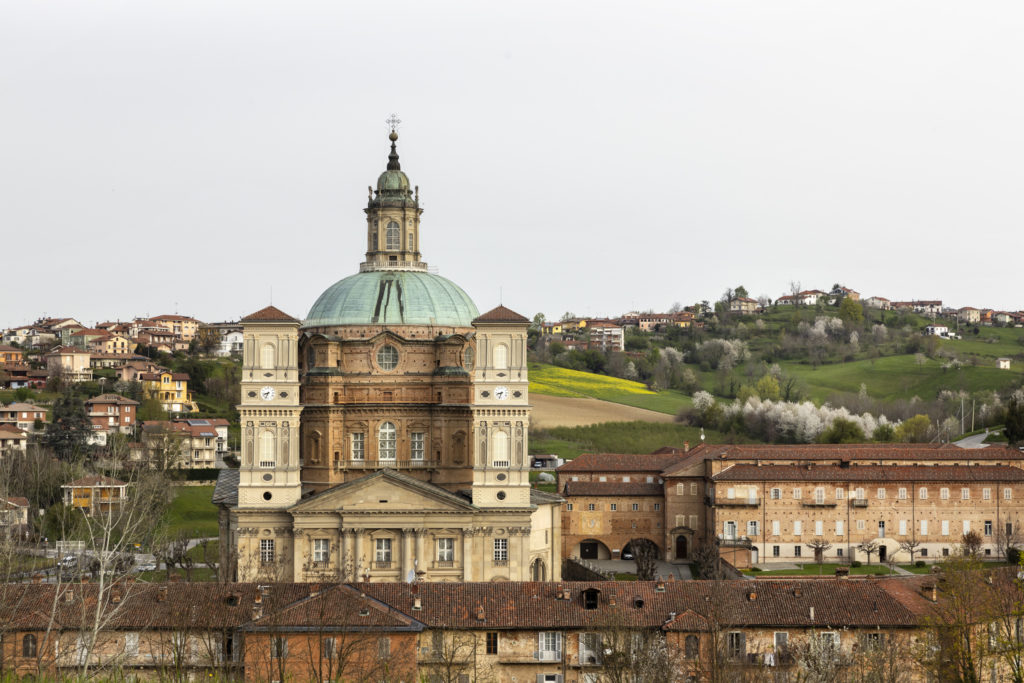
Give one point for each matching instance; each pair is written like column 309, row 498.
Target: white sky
column 611, row 155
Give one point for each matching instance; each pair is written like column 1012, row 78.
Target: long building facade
column 790, row 503
column 385, row 436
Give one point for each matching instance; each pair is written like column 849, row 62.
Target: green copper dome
column 393, row 297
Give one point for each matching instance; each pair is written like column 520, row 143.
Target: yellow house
column 181, row 326
column 114, row 344
column 95, row 493
column 170, row 389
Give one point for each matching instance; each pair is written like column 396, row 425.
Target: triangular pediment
column 386, row 491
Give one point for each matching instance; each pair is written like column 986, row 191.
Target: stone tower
column 269, row 476
column 393, row 219
column 501, row 411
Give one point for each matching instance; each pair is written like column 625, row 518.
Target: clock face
column 267, row 393
column 501, row 393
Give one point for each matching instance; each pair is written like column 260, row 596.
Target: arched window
column 267, row 456
column 467, row 358
column 386, row 441
column 501, row 356
column 409, row 243
column 393, row 236
column 499, row 449
column 387, row 357
column 267, row 356
column 28, row 645
column 692, row 647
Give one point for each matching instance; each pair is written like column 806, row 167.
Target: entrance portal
column 588, row 550
column 882, row 554
column 681, row 547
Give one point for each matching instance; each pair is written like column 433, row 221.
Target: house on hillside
column 936, row 330
column 95, row 494
column 968, row 314
column 879, row 302
column 1003, row 363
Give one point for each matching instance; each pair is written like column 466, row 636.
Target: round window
column 387, row 357
column 467, row 358
column 501, row 495
column 267, row 495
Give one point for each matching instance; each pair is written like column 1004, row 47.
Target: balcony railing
column 377, row 463
column 859, row 502
column 382, row 564
column 736, row 502
column 819, row 504
column 500, row 563
column 392, row 265
column 444, row 564
column 548, row 655
column 734, row 541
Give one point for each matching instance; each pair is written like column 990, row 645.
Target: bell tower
column 269, row 411
column 501, row 411
column 393, row 218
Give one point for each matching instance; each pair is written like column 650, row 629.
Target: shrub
column 855, row 564
column 1013, row 555
column 919, row 563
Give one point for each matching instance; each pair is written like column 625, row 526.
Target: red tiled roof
column 619, row 462
column 612, row 488
column 858, row 451
column 12, row 431
column 874, row 473
column 18, row 501
column 501, row 315
column 269, row 314
column 96, row 480
column 112, row 398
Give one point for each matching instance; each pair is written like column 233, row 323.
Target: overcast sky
column 590, row 157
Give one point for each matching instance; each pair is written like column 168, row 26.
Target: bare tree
column 970, row 544
column 645, row 554
column 819, row 658
column 819, row 546
column 868, row 547
column 910, row 546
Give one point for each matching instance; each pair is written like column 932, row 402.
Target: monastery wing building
column 384, row 437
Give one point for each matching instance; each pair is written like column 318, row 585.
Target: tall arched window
column 386, row 441
column 692, row 647
column 267, row 356
column 28, row 645
column 393, row 236
column 267, row 456
column 501, row 356
column 499, row 449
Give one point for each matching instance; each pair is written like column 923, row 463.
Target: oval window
column 387, row 357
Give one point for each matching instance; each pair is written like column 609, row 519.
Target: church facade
column 385, row 436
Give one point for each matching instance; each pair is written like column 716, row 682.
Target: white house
column 937, row 330
column 1003, row 363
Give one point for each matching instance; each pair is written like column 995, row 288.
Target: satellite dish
column 410, row 577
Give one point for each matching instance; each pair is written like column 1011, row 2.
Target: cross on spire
column 393, row 121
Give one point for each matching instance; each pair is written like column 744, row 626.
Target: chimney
column 812, row 612
column 611, row 600
column 751, row 596
column 842, row 572
column 417, row 603
column 115, row 595
column 480, row 616
column 659, row 587
column 161, row 594
column 258, row 598
column 930, row 591
column 37, row 578
column 686, row 447
column 69, row 594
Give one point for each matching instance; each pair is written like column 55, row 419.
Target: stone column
column 407, row 566
column 524, row 562
column 422, row 562
column 359, row 567
column 467, row 554
column 344, row 550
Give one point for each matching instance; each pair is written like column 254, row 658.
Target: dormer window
column 590, row 598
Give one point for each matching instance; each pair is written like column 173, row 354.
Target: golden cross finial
column 393, row 121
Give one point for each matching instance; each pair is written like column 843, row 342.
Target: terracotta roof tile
column 501, row 315
column 96, row 480
column 619, row 462
column 269, row 314
column 881, row 473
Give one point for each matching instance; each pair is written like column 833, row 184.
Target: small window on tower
column 393, row 236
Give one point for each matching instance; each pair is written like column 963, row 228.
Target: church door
column 681, row 547
column 588, row 550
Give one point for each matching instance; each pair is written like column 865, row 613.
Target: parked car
column 145, row 567
column 69, row 562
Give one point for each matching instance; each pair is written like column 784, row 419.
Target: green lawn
column 551, row 380
column 899, row 377
column 198, row 574
column 192, row 512
column 213, row 549
column 620, row 437
column 826, row 569
column 26, row 563
column 927, row 569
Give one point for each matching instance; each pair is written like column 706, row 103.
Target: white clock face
column 501, row 393
column 267, row 393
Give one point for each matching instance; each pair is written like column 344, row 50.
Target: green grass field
column 551, row 380
column 619, row 437
column 827, row 569
column 899, row 377
column 192, row 512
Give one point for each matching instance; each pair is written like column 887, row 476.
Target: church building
column 385, row 437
